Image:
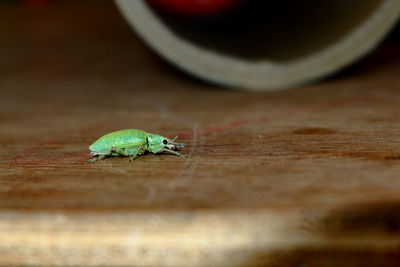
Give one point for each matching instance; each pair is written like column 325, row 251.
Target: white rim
column 262, row 75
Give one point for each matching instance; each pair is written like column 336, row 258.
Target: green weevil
column 132, row 143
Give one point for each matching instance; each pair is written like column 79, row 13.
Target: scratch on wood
column 66, row 157
column 17, row 159
column 278, row 115
column 190, row 165
column 63, row 158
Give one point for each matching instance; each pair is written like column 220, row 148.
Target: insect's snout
column 179, row 145
column 175, row 146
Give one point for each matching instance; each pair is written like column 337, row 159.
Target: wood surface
column 306, row 177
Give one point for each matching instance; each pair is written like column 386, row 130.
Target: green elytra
column 132, row 143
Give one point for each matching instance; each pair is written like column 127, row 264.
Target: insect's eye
column 165, row 141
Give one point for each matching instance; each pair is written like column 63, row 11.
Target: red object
column 34, row 2
column 196, row 7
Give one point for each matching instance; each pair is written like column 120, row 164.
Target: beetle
column 132, row 143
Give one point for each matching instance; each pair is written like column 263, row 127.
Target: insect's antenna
column 176, row 137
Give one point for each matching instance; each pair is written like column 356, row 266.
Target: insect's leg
column 134, row 153
column 175, row 153
column 133, row 157
column 100, row 157
column 96, row 158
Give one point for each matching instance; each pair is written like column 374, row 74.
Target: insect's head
column 158, row 143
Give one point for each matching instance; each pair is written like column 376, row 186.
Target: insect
column 132, row 143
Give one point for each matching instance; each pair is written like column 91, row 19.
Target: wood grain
column 303, row 177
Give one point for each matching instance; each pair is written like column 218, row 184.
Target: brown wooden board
column 305, row 177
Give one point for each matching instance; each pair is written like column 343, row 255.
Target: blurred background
column 251, row 45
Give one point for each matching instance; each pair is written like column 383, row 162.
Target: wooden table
column 304, row 177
